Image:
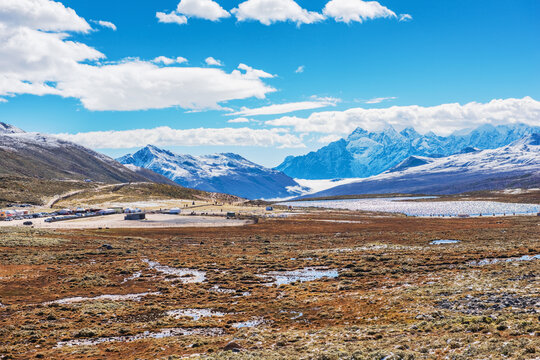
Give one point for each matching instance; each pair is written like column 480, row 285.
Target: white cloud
column 171, row 18
column 271, row 11
column 380, row 100
column 405, row 17
column 107, row 24
column 204, row 9
column 238, row 120
column 442, row 119
column 300, row 69
column 213, row 62
column 43, row 15
column 139, row 85
column 47, row 62
column 328, row 138
column 356, row 10
column 169, row 61
column 288, row 107
column 165, row 136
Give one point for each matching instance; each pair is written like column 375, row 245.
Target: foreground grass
column 396, row 296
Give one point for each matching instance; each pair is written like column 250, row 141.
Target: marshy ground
column 323, row 285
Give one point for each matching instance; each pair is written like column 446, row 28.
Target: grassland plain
column 210, row 293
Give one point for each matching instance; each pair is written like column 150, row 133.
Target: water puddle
column 294, row 314
column 194, row 314
column 443, row 242
column 221, row 290
column 218, row 289
column 507, row 260
column 186, row 276
column 77, row 299
column 302, row 275
column 136, row 275
column 164, row 333
column 248, row 324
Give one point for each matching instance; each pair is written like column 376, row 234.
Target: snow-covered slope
column 513, row 166
column 226, row 173
column 364, row 153
column 44, row 156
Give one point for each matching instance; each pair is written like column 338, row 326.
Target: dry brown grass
column 396, row 297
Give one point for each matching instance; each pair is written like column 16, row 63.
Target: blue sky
column 451, row 59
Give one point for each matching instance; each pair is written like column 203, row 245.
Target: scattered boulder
column 232, row 346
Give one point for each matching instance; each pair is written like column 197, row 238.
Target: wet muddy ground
column 324, row 285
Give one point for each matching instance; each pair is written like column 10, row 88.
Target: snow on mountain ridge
column 225, row 172
column 363, row 153
column 9, row 129
column 513, row 165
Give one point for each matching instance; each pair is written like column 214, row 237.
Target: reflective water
column 131, row 297
column 248, row 324
column 164, row 333
column 507, row 260
column 302, row 275
column 443, row 241
column 422, row 208
column 184, row 275
column 195, row 314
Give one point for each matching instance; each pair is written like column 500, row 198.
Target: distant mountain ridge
column 46, row 157
column 512, row 166
column 363, row 153
column 226, row 173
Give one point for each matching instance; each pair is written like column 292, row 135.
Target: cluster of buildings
column 16, row 214
column 63, row 214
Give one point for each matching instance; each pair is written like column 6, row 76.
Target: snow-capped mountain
column 44, row 156
column 513, row 166
column 364, row 153
column 226, row 173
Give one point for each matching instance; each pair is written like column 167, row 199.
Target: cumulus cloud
column 171, row 18
column 380, row 100
column 139, row 85
column 213, row 62
column 271, row 11
column 442, row 119
column 300, row 69
column 356, row 10
column 204, row 9
column 328, row 139
column 165, row 136
column 169, row 61
column 405, row 17
column 43, row 15
column 106, row 24
column 287, row 107
column 39, row 62
column 238, row 120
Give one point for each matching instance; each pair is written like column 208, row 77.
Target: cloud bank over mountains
column 165, row 136
column 441, row 119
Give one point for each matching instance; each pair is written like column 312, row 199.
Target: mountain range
column 513, row 166
column 487, row 158
column 43, row 156
column 363, row 153
column 226, row 173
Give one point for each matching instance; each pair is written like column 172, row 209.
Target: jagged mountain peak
column 512, row 166
column 365, row 153
column 222, row 172
column 409, row 132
